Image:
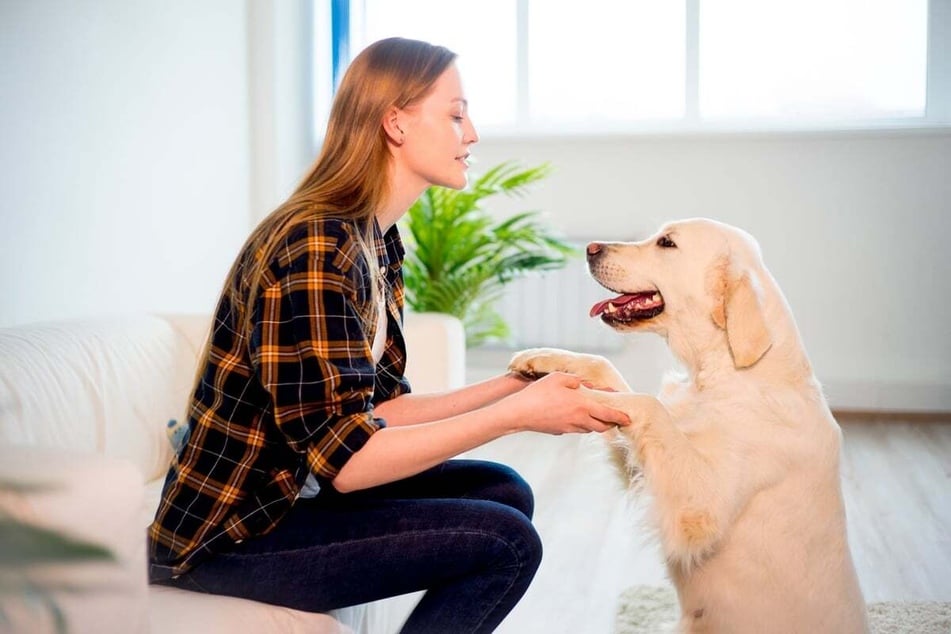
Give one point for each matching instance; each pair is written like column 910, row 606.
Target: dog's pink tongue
column 620, row 300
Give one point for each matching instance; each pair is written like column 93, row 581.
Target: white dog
column 741, row 455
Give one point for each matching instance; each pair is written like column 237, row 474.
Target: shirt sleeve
column 312, row 352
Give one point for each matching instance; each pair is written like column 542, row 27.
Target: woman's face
column 437, row 134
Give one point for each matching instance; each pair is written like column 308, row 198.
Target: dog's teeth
column 655, row 297
column 611, row 308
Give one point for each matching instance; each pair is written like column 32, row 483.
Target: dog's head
column 691, row 282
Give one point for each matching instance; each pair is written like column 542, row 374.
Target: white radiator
column 551, row 309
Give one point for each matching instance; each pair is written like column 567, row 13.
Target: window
column 536, row 66
column 584, row 68
column 847, row 59
column 482, row 33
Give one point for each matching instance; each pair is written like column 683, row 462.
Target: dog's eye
column 665, row 242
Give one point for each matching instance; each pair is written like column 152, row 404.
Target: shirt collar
column 389, row 246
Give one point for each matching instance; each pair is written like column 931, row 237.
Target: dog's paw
column 537, row 362
column 595, row 370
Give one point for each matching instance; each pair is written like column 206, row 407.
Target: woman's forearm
column 399, row 451
column 410, row 409
column 553, row 404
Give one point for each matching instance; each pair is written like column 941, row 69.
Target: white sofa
column 83, row 411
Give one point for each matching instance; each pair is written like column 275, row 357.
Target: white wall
column 854, row 226
column 142, row 139
column 124, row 155
column 279, row 41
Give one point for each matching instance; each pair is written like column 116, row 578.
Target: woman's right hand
column 554, row 404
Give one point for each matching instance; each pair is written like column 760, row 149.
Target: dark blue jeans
column 461, row 531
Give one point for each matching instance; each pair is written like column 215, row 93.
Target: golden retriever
column 740, row 454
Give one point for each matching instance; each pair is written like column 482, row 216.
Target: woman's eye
column 665, row 242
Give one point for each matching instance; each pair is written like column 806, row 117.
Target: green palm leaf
column 460, row 257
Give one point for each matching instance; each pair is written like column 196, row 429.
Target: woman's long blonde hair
column 349, row 179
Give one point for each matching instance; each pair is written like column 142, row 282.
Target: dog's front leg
column 691, row 507
column 595, row 369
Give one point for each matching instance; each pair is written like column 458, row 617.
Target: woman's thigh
column 454, row 479
column 457, row 521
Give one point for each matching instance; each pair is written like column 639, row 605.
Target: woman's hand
column 555, row 405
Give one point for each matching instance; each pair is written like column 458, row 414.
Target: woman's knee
column 522, row 543
column 522, row 498
column 502, row 484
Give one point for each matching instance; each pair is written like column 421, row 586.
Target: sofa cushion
column 107, row 386
column 174, row 610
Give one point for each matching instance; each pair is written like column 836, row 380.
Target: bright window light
column 813, row 59
column 605, row 60
column 483, row 34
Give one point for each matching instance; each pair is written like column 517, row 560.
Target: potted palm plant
column 459, row 257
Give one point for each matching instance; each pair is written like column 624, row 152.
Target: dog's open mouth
column 629, row 307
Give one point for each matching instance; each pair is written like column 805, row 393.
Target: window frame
column 345, row 16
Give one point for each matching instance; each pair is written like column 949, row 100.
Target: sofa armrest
column 435, row 351
column 91, row 498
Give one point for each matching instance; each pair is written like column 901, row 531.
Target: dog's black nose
column 594, row 248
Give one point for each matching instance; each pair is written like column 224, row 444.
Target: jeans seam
column 519, row 565
column 233, row 554
column 518, row 572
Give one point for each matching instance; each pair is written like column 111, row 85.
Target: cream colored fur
column 740, row 455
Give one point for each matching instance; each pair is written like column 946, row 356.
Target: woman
column 312, row 478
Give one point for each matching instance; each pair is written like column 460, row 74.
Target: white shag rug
column 654, row 610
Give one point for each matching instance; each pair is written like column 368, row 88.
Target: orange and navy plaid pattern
column 292, row 397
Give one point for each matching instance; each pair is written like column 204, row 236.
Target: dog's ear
column 739, row 311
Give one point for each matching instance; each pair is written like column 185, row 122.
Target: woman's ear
column 391, row 125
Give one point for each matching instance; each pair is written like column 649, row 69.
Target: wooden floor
column 896, row 477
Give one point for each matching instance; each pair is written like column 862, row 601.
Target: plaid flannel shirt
column 296, row 397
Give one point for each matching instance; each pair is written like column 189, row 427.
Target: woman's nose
column 472, row 136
